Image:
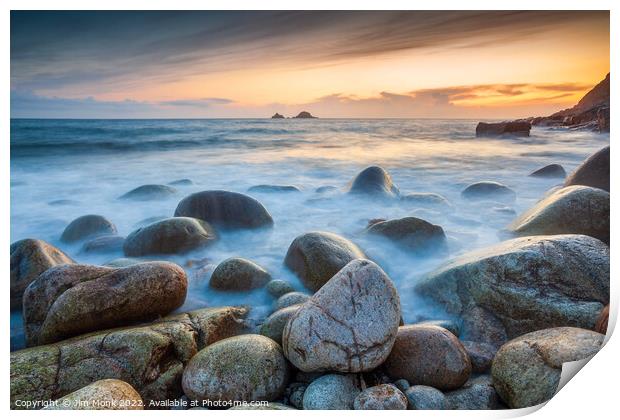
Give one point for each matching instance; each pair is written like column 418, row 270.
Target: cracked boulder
column 526, row 371
column 428, row 355
column 106, row 394
column 523, row 285
column 169, row 236
column 151, row 358
column 74, row 299
column 247, row 367
column 575, row 209
column 316, row 256
column 349, row 325
column 29, row 258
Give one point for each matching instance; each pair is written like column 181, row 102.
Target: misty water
column 88, row 164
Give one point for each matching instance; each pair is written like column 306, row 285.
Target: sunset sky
column 334, row 64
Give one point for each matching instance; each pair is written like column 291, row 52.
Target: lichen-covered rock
column 575, row 209
column 151, row 358
column 264, row 188
column 480, row 354
column 316, row 256
column 380, row 397
column 374, row 181
column 243, row 368
column 74, row 299
column 169, row 236
column 106, row 243
column 29, row 258
column 523, row 285
column 526, row 371
column 550, row 171
column 290, row 299
column 238, row 274
column 593, row 172
column 225, row 209
column 274, row 324
column 477, row 394
column 428, row 355
column 149, row 192
column 277, row 287
column 423, row 397
column 417, row 235
column 105, row 394
column 349, row 325
column 332, row 392
column 489, row 190
column 87, row 226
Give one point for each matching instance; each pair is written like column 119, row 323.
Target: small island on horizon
column 302, row 114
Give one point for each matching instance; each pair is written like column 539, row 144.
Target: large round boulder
column 331, row 392
column 349, row 325
column 238, row 274
column 243, row 368
column 489, row 190
column 374, row 181
column 29, row 258
column 526, row 371
column 417, row 235
column 428, row 355
column 86, row 227
column 523, row 285
column 380, row 397
column 106, row 394
column 149, row 192
column 316, row 256
column 226, row 209
column 68, row 300
column 575, row 209
column 169, row 236
column 593, row 172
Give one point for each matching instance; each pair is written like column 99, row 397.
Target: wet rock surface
column 550, row 171
column 238, row 274
column 489, row 190
column 417, row 235
column 374, row 181
column 593, row 172
column 87, row 226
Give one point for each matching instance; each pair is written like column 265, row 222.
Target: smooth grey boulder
column 550, row 171
column 238, row 274
column 277, row 287
column 247, row 367
column 417, row 235
column 575, row 209
column 477, row 394
column 593, row 172
column 316, row 256
column 30, row 258
column 380, row 397
column 68, row 300
column 349, row 325
column 105, row 394
column 291, row 298
column 274, row 325
column 332, row 392
column 523, row 285
column 423, row 397
column 106, row 243
column 526, row 371
column 169, row 236
column 374, row 181
column 149, row 192
column 225, row 209
column 86, row 227
column 489, row 190
column 264, row 188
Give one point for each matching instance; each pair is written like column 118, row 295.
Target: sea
column 63, row 169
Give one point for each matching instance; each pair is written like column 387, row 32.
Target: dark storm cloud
column 54, row 49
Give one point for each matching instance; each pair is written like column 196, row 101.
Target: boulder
column 149, row 192
column 183, row 182
column 488, row 190
column 106, row 243
column 575, row 209
column 523, row 285
column 402, row 384
column 349, row 325
column 526, row 371
column 226, row 209
column 423, row 397
column 332, row 392
column 29, row 258
column 277, row 287
column 263, row 188
column 431, row 200
column 417, row 235
column 593, row 172
column 274, row 324
column 602, row 321
column 316, row 256
column 277, row 116
column 480, row 354
column 428, row 355
column 86, row 227
column 452, row 326
column 550, row 171
column 68, row 300
column 292, row 298
column 243, row 368
column 511, row 128
column 169, row 236
column 374, row 181
column 477, row 394
column 238, row 274
column 151, row 358
column 105, row 394
column 380, row 397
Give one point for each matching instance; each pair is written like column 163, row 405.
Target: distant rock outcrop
column 511, row 128
column 305, row 114
column 276, row 115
